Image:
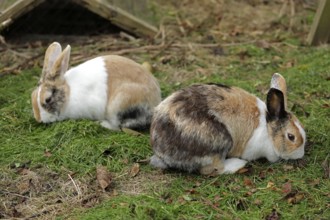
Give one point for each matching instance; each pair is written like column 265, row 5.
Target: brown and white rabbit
column 112, row 89
column 215, row 129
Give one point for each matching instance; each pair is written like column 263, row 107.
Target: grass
column 49, row 171
column 78, row 147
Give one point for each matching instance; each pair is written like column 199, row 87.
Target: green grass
column 78, row 147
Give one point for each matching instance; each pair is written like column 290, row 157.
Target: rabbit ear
column 275, row 104
column 278, row 82
column 52, row 53
column 61, row 65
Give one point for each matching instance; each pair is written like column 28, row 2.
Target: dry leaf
column 287, row 167
column 247, row 182
column 243, row 170
column 315, row 182
column 257, row 202
column 186, row 198
column 263, row 44
column 294, row 197
column 103, row 176
column 47, row 153
column 277, row 58
column 270, row 184
column 115, row 193
column 286, row 188
column 135, row 169
column 273, row 216
column 131, row 132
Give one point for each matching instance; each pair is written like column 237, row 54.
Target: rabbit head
column 50, row 97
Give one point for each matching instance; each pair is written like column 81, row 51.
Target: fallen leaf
column 247, row 182
column 262, row 175
column 294, row 197
column 286, row 188
column 290, row 64
column 187, row 198
column 197, row 184
column 243, row 170
column 314, row 182
column 326, row 105
column 273, row 216
column 257, row 202
column 217, row 198
column 115, row 192
column 125, row 161
column 249, row 193
column 135, row 169
column 131, row 132
column 191, row 191
column 47, row 153
column 287, row 167
column 277, row 58
column 103, row 176
column 263, row 44
column 270, row 184
column 244, row 54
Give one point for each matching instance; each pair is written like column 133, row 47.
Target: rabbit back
column 194, row 124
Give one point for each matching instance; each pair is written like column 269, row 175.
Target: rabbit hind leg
column 216, row 167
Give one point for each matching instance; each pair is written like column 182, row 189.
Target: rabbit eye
column 291, row 137
column 48, row 100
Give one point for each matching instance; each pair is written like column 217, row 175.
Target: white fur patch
column 88, row 90
column 232, row 165
column 260, row 144
column 302, row 132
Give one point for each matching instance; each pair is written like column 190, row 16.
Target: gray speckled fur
column 203, row 135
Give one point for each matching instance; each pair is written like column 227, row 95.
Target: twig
column 15, row 194
column 11, row 70
column 207, row 202
column 163, row 48
column 282, row 10
column 19, row 54
column 292, row 14
column 75, row 185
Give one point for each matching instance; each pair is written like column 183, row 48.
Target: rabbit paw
column 232, row 165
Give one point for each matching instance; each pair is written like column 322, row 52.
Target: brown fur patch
column 240, row 114
column 58, row 98
column 35, row 107
column 131, row 80
column 294, row 130
column 215, row 168
column 279, row 130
